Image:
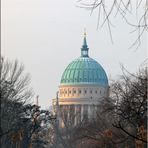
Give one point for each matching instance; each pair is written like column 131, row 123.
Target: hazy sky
column 46, row 35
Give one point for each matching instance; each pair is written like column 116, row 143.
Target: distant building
column 83, row 84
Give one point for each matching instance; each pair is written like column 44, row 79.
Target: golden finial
column 84, row 32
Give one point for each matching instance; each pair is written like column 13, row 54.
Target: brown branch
column 131, row 135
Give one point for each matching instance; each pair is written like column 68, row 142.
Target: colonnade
column 73, row 115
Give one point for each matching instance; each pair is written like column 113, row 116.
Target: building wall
column 83, row 91
column 80, row 102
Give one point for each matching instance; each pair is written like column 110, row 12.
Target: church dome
column 84, row 70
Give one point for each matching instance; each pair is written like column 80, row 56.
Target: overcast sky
column 46, row 35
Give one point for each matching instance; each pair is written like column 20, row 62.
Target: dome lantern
column 84, row 49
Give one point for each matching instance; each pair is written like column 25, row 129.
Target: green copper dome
column 84, row 70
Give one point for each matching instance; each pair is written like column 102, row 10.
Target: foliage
column 20, row 120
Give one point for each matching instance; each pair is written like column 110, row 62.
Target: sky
column 46, row 35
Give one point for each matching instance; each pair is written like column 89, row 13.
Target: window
column 79, row 91
column 96, row 91
column 91, row 91
column 85, row 53
column 70, row 91
column 74, row 91
column 85, row 91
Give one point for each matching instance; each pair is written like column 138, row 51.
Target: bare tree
column 130, row 93
column 21, row 122
column 107, row 10
column 14, row 93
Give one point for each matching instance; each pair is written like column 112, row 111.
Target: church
column 83, row 85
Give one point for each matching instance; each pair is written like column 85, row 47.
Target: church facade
column 83, row 84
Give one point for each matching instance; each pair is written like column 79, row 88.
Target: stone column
column 82, row 108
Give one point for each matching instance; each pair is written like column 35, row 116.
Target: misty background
column 46, row 35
